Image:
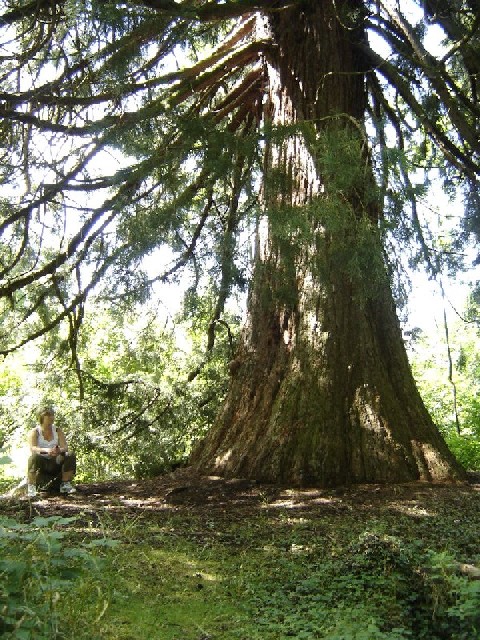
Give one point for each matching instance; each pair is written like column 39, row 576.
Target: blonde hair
column 46, row 411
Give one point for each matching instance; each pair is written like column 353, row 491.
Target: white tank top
column 47, row 444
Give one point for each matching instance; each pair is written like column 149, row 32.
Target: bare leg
column 32, row 468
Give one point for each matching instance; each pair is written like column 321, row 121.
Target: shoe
column 31, row 490
column 67, row 487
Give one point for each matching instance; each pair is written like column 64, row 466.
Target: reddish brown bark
column 322, row 391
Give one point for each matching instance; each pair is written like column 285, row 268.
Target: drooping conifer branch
column 119, row 94
column 78, row 299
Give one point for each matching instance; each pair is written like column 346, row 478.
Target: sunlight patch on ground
column 209, row 577
column 297, row 520
column 144, row 502
column 279, row 504
column 296, row 549
column 412, row 509
column 137, row 503
column 194, row 567
column 300, row 498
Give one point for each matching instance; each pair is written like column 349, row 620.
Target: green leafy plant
column 37, row 568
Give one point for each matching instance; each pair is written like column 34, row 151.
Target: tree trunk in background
column 322, row 391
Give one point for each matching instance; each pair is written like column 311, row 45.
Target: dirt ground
column 186, row 491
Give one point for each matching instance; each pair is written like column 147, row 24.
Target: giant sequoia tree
column 130, row 126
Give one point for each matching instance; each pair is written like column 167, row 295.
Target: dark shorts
column 49, row 466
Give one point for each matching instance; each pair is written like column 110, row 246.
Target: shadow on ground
column 210, row 496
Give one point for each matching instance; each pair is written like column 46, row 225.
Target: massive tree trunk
column 321, row 390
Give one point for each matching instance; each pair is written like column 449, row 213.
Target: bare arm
column 62, row 441
column 33, row 443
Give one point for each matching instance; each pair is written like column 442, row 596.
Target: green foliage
column 180, row 106
column 348, row 213
column 348, row 568
column 126, row 405
column 432, row 375
column 465, row 446
column 380, row 587
column 336, row 236
column 5, row 482
column 38, row 567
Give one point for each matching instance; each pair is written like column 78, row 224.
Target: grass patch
column 169, row 593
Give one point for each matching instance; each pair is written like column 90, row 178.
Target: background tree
column 125, row 404
column 449, row 385
column 201, row 99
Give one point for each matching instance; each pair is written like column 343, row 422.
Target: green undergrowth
column 336, row 573
column 41, row 565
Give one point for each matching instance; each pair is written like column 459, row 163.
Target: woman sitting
column 49, row 454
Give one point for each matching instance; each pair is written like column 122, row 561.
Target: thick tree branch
column 441, row 82
column 460, row 157
column 443, row 12
column 212, row 11
column 208, row 11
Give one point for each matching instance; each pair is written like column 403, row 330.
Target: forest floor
column 210, row 496
column 206, row 558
